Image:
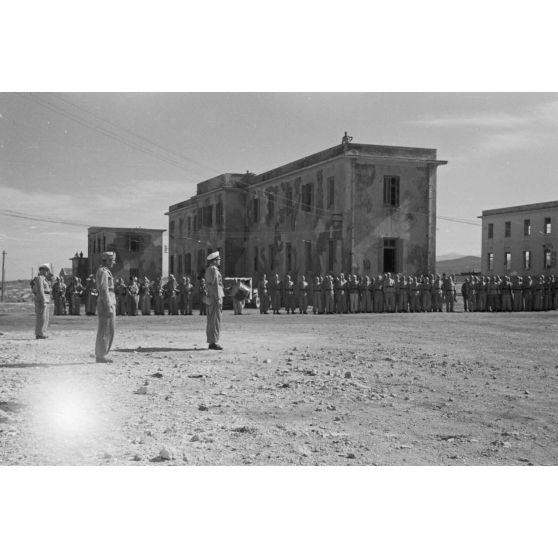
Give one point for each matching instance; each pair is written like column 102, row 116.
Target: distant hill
column 463, row 264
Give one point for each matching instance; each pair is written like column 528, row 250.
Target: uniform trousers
column 213, row 328
column 42, row 311
column 105, row 334
column 329, row 302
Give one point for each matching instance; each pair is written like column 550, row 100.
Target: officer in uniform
column 158, row 297
column 506, row 289
column 41, row 291
column 449, row 292
column 276, row 288
column 379, row 294
column 317, row 295
column 403, row 294
column 145, row 297
column 106, row 307
column 328, row 290
column 203, row 297
column 132, row 299
column 91, row 295
column 263, row 294
column 290, row 299
column 354, row 293
column 302, row 295
column 389, row 293
column 215, row 293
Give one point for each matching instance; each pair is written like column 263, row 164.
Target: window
column 331, row 191
column 201, row 260
column 507, row 227
column 270, row 205
column 104, row 243
column 207, row 216
column 490, row 230
column 99, row 245
column 195, row 223
column 288, row 257
column 189, row 225
column 547, row 258
column 331, row 255
column 134, row 272
column 219, row 212
column 180, row 269
column 507, row 261
column 187, row 264
column 307, row 194
column 490, row 261
column 180, row 227
column 527, row 227
column 135, row 244
column 256, row 209
column 391, row 191
column 256, row 259
column 527, row 259
column 308, row 255
column 200, row 217
column 171, row 264
column 271, row 254
column 547, row 225
column 289, row 197
column 171, row 228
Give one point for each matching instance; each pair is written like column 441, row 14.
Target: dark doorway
column 390, row 255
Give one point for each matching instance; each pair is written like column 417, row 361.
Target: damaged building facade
column 358, row 208
column 139, row 252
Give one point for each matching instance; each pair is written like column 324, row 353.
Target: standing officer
column 106, row 307
column 41, row 290
column 91, row 295
column 329, row 298
column 263, row 294
column 302, row 295
column 317, row 294
column 276, row 288
column 389, row 293
column 290, row 299
column 215, row 292
column 450, row 294
column 203, row 297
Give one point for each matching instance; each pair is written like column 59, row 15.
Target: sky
column 121, row 159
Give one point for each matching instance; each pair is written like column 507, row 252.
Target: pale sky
column 120, row 159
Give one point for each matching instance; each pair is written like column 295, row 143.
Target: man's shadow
column 158, row 350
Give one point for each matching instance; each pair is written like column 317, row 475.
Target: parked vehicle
column 252, row 299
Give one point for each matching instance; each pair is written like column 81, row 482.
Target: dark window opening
column 490, row 230
column 307, row 194
column 390, row 255
column 507, row 227
column 391, row 191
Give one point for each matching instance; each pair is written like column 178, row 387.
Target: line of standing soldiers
column 354, row 294
column 492, row 293
column 146, row 296
column 69, row 298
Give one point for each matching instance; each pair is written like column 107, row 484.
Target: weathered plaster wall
column 374, row 221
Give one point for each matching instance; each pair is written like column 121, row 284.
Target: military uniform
column 215, row 293
column 389, row 293
column 302, row 295
column 437, row 294
column 158, row 297
column 379, row 295
column 276, row 289
column 132, row 298
column 317, row 307
column 449, row 293
column 203, row 297
column 517, row 293
column 91, row 295
column 506, row 291
column 145, row 297
column 41, row 291
column 106, row 308
column 171, row 290
column 354, row 294
column 329, row 297
column 290, row 299
column 263, row 294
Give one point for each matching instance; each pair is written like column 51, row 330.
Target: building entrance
column 390, row 255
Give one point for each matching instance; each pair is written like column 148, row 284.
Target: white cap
column 44, row 266
column 107, row 255
column 213, row 256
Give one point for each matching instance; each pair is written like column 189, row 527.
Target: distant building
column 358, row 208
column 139, row 252
column 521, row 240
column 80, row 266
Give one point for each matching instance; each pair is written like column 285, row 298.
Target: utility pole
column 3, row 258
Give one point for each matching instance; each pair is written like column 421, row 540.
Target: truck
column 253, row 300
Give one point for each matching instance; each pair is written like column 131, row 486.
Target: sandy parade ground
column 366, row 389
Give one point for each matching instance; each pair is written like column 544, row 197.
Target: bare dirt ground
column 366, row 389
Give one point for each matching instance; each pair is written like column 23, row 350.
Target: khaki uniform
column 41, row 290
column 263, row 295
column 215, row 293
column 106, row 309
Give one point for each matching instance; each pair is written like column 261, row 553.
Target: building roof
column 521, row 208
column 129, row 229
column 379, row 151
column 402, row 154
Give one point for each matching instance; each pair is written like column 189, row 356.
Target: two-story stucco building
column 139, row 252
column 521, row 240
column 359, row 208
